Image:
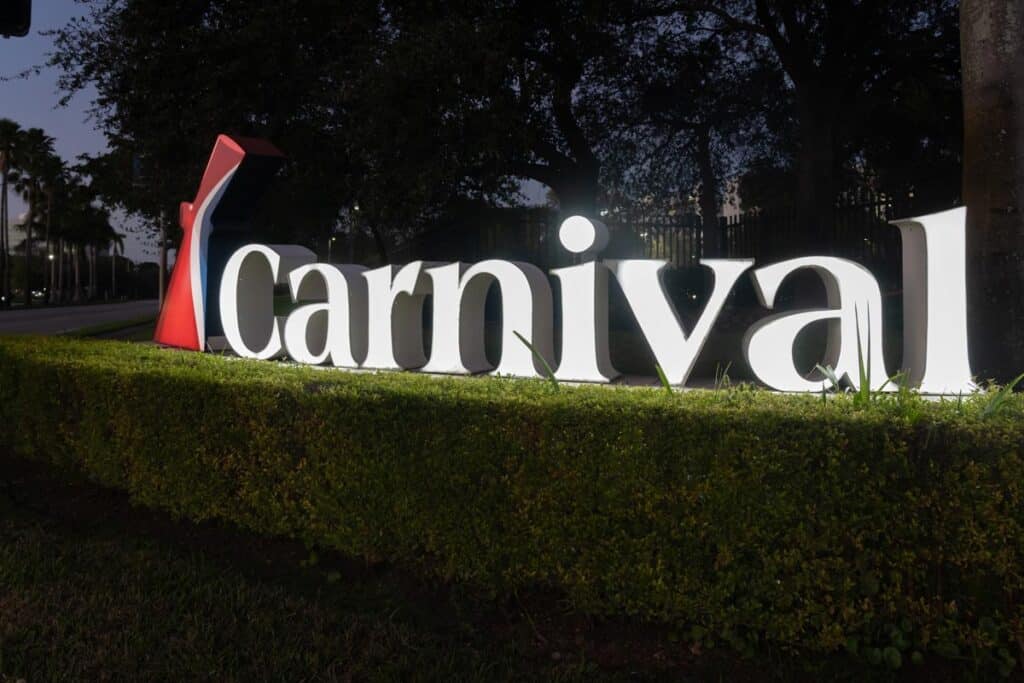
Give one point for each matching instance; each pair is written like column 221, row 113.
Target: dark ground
column 94, row 588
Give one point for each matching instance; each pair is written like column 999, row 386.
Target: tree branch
column 788, row 55
column 539, row 172
column 691, row 6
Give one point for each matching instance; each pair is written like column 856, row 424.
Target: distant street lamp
column 351, row 233
column 50, row 290
column 330, row 243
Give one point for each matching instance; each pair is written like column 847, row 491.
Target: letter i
column 584, row 300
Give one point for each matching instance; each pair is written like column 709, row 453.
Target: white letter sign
column 675, row 351
column 935, row 303
column 349, row 316
column 247, row 296
column 855, row 305
column 336, row 327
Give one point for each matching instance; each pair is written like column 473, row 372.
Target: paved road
column 43, row 320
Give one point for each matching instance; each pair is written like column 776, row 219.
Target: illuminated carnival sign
column 352, row 317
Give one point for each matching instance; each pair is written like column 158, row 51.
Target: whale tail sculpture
column 238, row 170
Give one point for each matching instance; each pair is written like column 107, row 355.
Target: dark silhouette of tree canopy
column 11, row 136
column 37, row 170
column 842, row 59
column 410, row 110
column 63, row 215
column 686, row 133
column 505, row 88
column 171, row 76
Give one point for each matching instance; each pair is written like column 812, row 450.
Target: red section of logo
column 182, row 321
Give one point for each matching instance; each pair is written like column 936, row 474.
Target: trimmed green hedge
column 889, row 530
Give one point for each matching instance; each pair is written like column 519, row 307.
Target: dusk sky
column 33, row 102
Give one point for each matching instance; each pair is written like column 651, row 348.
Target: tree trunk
column 77, row 296
column 380, row 242
column 577, row 193
column 162, row 273
column 47, row 262
column 5, row 289
column 992, row 52
column 7, row 252
column 93, row 289
column 44, row 261
column 816, row 168
column 60, row 270
column 113, row 273
column 52, row 256
column 709, row 198
column 28, row 249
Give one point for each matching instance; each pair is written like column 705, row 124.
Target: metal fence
column 859, row 231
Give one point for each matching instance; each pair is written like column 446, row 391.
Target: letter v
column 675, row 351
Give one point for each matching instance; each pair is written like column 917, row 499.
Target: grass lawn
column 135, row 329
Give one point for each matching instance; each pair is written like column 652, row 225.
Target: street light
column 330, row 243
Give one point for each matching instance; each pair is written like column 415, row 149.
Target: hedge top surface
column 148, row 359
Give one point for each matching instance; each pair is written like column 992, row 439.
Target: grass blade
column 663, row 378
column 548, row 372
column 998, row 400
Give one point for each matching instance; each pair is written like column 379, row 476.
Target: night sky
column 33, row 102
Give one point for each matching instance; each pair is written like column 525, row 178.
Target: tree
column 82, row 228
column 38, row 167
column 700, row 115
column 97, row 235
column 54, row 191
column 514, row 89
column 993, row 67
column 116, row 249
column 415, row 111
column 404, row 108
column 170, row 77
column 834, row 54
column 65, row 196
column 10, row 139
column 910, row 140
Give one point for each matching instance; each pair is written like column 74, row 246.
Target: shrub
column 887, row 529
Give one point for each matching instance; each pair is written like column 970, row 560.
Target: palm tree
column 54, row 190
column 992, row 42
column 10, row 139
column 73, row 217
column 61, row 192
column 116, row 247
column 98, row 235
column 38, row 167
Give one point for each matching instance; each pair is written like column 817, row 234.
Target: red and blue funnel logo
column 238, row 171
